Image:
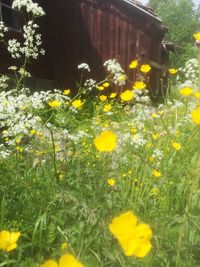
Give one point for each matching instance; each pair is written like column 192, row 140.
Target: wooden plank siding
column 93, row 31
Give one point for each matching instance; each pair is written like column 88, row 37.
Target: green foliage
column 183, row 19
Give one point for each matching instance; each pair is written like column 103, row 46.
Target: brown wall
column 93, row 31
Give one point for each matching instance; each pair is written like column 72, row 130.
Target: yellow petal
column 68, row 260
column 50, row 263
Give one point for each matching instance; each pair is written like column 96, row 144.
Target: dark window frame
column 15, row 20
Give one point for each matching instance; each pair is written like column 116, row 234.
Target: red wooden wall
column 92, row 31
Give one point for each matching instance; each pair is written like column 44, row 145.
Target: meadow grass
column 55, row 185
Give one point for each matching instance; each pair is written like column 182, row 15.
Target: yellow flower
column 107, row 108
column 101, row 88
column 133, row 64
column 156, row 173
column 66, row 92
column 134, row 130
column 8, row 240
column 197, row 94
column 54, row 104
column 133, row 237
column 197, row 36
column 77, row 103
column 176, row 145
column 127, row 95
column 64, row 245
column 145, row 68
column 111, row 182
column 139, row 85
column 69, row 260
column 50, row 263
column 155, row 136
column 172, row 71
column 196, row 115
column 106, row 141
column 186, row 91
column 113, row 95
column 103, row 98
column 4, row 132
column 154, row 115
column 20, row 149
column 106, row 84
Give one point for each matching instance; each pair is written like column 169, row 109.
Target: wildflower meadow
column 98, row 177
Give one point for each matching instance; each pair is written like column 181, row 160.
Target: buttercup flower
column 176, row 145
column 111, row 182
column 196, row 115
column 50, row 263
column 156, row 173
column 103, row 98
column 77, row 103
column 127, row 95
column 155, row 136
column 186, row 91
column 145, row 68
column 107, row 108
column 106, row 141
column 67, row 260
column 172, row 71
column 54, row 104
column 133, row 64
column 133, row 237
column 8, row 240
column 197, row 36
column 106, row 84
column 66, row 92
column 139, row 85
column 64, row 245
column 113, row 95
column 100, row 88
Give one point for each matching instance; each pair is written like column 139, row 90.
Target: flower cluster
column 31, row 48
column 115, row 70
column 31, row 7
column 3, row 30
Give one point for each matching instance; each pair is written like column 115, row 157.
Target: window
column 10, row 17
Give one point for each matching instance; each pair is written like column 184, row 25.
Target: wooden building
column 92, row 31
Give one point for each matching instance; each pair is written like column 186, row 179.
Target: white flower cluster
column 12, row 110
column 14, row 48
column 84, row 66
column 31, row 7
column 190, row 70
column 31, row 48
column 90, row 84
column 24, row 73
column 158, row 155
column 115, row 70
column 113, row 66
column 3, row 29
column 3, row 82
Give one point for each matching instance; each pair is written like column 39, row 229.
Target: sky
column 195, row 1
